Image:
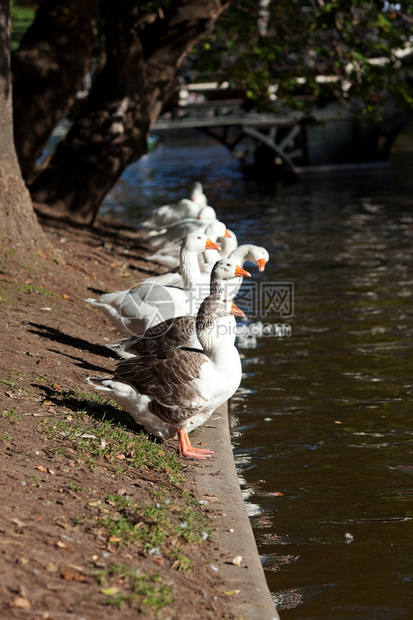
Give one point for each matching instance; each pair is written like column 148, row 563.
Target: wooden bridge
column 332, row 139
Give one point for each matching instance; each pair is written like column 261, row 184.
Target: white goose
column 177, row 392
column 228, row 243
column 246, row 253
column 167, row 214
column 179, row 332
column 134, row 310
column 172, row 234
column 213, row 231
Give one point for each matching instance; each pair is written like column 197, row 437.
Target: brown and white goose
column 176, row 392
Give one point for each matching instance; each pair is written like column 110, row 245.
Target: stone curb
column 217, row 483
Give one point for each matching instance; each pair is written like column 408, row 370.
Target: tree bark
column 19, row 225
column 48, row 68
column 143, row 54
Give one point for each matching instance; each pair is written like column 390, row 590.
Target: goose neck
column 190, row 271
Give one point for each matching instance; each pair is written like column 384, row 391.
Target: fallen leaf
column 237, row 560
column 65, row 296
column 47, row 403
column 18, row 522
column 276, row 493
column 230, row 592
column 70, row 576
column 63, row 545
column 77, row 568
column 23, row 561
column 41, row 468
column 110, row 591
column 63, row 522
column 113, row 539
column 51, row 568
column 120, row 456
column 21, row 603
column 56, row 387
column 95, row 503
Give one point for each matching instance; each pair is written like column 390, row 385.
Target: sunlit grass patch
column 11, row 415
column 16, row 382
column 160, row 526
column 108, row 440
column 121, row 584
column 39, row 290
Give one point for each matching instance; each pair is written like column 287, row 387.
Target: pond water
column 322, row 423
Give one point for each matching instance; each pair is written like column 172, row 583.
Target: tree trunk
column 143, row 54
column 19, row 225
column 48, row 68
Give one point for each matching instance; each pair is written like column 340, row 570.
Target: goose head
column 214, row 307
column 259, row 256
column 207, row 214
column 252, row 254
column 225, row 269
column 197, row 194
column 216, row 229
column 228, row 242
column 197, row 242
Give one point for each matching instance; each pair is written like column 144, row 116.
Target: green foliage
column 354, row 45
column 22, row 15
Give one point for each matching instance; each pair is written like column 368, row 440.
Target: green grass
column 11, row 415
column 111, row 441
column 31, row 288
column 146, row 592
column 159, row 528
column 74, row 486
column 5, row 298
column 14, row 382
column 41, row 378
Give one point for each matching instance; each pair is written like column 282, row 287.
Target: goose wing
column 172, row 334
column 169, row 380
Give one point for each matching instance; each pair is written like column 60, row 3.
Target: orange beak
column 235, row 311
column 210, row 245
column 227, row 234
column 241, row 272
column 261, row 262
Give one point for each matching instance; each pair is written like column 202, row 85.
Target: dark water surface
column 322, row 423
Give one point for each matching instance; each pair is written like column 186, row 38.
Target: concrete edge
column 217, row 483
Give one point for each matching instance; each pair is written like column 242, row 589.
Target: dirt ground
column 97, row 520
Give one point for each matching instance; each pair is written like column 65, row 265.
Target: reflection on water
column 323, row 433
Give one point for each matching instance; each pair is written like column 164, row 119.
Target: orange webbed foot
column 186, row 449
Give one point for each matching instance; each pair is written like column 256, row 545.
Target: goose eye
column 199, row 237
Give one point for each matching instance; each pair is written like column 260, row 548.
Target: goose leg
column 187, row 450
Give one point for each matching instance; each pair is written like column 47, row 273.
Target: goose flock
column 180, row 361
